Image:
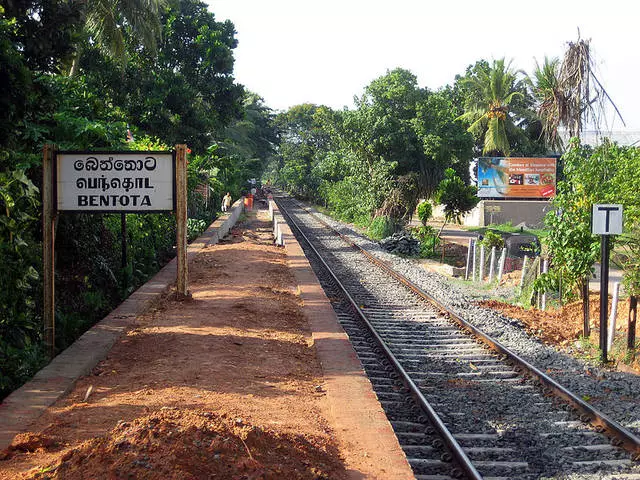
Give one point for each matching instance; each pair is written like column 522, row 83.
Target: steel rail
column 458, row 452
column 622, row 436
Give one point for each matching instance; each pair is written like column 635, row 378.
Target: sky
column 326, row 52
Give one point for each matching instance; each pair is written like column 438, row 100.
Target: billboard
column 502, row 177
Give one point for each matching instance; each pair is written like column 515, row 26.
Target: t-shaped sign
column 606, row 219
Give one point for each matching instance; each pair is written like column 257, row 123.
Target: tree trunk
column 442, row 227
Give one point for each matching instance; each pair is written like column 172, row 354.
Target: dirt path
column 225, row 385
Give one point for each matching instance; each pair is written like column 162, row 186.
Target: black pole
column 604, row 293
column 123, row 231
column 631, row 331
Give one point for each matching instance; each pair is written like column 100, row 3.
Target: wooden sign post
column 110, row 182
column 48, row 242
column 182, row 282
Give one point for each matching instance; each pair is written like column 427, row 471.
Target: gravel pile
column 614, row 393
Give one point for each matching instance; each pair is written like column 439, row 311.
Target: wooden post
column 613, row 314
column 48, row 251
column 182, row 282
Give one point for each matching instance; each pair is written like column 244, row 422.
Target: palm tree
column 492, row 90
column 552, row 101
column 106, row 21
column 569, row 93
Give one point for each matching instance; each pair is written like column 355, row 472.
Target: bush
column 425, row 210
column 20, row 326
column 492, row 239
column 429, row 240
column 195, row 228
column 381, row 227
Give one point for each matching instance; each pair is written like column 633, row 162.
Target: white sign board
column 606, row 219
column 115, row 181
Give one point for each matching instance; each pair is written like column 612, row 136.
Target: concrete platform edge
column 355, row 413
column 22, row 407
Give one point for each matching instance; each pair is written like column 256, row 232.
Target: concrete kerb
column 27, row 403
column 357, row 417
column 277, row 219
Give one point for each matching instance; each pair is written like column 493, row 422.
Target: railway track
column 458, row 407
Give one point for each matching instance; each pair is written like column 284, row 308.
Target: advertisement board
column 115, row 181
column 504, row 177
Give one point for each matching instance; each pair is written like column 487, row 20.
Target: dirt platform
column 225, row 385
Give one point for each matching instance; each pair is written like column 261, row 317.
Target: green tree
column 445, row 141
column 551, row 101
column 456, row 197
column 251, row 141
column 569, row 94
column 424, row 211
column 111, row 24
column 604, row 174
column 187, row 92
column 491, row 91
column 410, row 134
column 304, row 141
column 20, row 332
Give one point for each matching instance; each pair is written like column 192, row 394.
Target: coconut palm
column 106, row 21
column 492, row 90
column 569, row 93
column 552, row 101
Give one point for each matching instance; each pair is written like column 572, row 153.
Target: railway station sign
column 516, row 177
column 606, row 219
column 115, row 181
column 110, row 182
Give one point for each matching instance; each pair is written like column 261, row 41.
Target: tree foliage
column 498, row 110
column 594, row 175
column 379, row 158
column 492, row 89
column 455, row 196
column 569, row 94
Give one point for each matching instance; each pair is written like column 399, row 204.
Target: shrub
column 425, row 210
column 429, row 240
column 492, row 239
column 195, row 228
column 381, row 227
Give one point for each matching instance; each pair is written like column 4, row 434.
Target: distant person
column 226, row 202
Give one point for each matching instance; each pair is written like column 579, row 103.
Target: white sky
column 325, row 52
